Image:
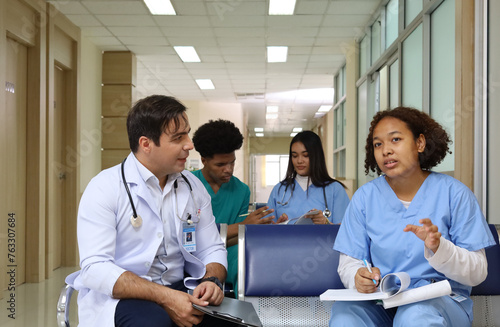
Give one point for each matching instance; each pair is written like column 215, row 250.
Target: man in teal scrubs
column 217, row 141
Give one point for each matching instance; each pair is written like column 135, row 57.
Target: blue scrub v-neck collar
column 415, row 205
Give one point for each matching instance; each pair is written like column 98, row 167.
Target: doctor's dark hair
column 151, row 116
column 318, row 173
column 436, row 139
column 217, row 137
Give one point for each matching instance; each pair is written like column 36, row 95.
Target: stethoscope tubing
column 327, row 213
column 135, row 216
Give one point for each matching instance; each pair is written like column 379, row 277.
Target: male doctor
column 136, row 259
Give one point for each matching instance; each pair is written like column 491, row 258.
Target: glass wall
column 376, row 40
column 391, row 22
column 412, row 70
column 367, row 107
column 339, row 158
column 364, row 55
column 412, row 9
column 420, row 71
column 394, row 84
column 362, row 130
column 442, row 74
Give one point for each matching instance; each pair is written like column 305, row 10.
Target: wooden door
column 57, row 172
column 15, row 106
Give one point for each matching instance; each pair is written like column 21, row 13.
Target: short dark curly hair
column 217, row 137
column 436, row 138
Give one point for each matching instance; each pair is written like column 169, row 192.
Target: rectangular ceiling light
column 187, row 53
column 258, row 129
column 281, row 7
column 160, row 7
column 293, row 134
column 271, row 116
column 324, row 108
column 297, row 129
column 205, row 84
column 259, row 134
column 277, row 54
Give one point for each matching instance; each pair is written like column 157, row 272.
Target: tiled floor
column 35, row 304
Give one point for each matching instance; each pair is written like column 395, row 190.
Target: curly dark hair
column 436, row 138
column 217, row 137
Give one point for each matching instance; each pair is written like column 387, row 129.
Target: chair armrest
column 223, row 233
column 63, row 306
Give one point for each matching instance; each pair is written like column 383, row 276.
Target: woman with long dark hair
column 307, row 185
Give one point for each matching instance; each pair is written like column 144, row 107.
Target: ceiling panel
column 231, row 38
column 116, row 7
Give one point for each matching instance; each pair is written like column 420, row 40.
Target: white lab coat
column 109, row 245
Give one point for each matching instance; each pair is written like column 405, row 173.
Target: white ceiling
column 230, row 37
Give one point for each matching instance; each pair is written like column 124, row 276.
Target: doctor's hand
column 179, row 306
column 364, row 280
column 210, row 292
column 256, row 217
column 282, row 218
column 428, row 233
column 319, row 218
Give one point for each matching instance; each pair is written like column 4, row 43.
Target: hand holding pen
column 257, row 216
column 367, row 278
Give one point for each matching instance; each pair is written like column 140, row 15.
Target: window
column 275, row 169
column 412, row 9
column 364, row 51
column 394, row 84
column 339, row 158
column 420, row 73
column 376, row 40
column 340, row 85
column 391, row 22
column 412, row 70
column 442, row 74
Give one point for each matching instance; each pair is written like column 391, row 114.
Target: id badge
column 457, row 297
column 189, row 237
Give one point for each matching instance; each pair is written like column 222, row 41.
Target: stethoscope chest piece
column 327, row 213
column 136, row 222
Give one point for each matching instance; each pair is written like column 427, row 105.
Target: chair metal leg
column 63, row 306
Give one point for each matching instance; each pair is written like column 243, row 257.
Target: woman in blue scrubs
column 307, row 185
column 414, row 220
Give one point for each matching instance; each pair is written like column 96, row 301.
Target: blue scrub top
column 374, row 221
column 300, row 202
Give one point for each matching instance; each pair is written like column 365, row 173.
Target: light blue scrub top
column 228, row 204
column 374, row 221
column 300, row 202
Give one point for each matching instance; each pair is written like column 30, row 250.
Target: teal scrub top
column 228, row 204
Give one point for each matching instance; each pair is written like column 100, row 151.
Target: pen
column 368, row 266
column 246, row 214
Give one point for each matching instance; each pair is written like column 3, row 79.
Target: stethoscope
column 327, row 213
column 136, row 220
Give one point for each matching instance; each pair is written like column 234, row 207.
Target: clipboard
column 239, row 312
column 302, row 220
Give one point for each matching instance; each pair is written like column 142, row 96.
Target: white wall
column 89, row 116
